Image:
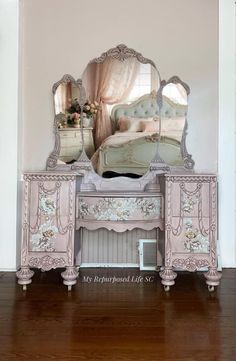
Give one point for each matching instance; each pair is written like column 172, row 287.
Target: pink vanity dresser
column 130, row 171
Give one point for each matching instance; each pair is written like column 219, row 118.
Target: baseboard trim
column 110, row 265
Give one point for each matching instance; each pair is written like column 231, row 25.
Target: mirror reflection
column 173, row 119
column 125, row 116
column 127, row 124
column 67, row 97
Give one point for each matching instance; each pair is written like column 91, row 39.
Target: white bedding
column 124, row 137
column 120, row 138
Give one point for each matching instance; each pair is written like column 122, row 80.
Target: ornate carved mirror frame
column 83, row 165
column 187, row 158
column 93, row 181
column 52, row 161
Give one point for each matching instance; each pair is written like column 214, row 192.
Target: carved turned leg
column 212, row 278
column 69, row 277
column 24, row 276
column 168, row 277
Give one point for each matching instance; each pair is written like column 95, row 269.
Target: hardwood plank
column 120, row 321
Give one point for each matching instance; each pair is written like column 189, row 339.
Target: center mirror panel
column 123, row 85
column 122, row 116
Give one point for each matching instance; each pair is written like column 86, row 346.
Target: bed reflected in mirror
column 127, row 120
column 126, row 127
column 133, row 143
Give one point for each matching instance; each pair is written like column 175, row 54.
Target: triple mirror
column 121, row 114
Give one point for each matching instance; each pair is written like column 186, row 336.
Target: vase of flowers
column 74, row 113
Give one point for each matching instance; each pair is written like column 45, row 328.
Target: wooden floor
column 117, row 321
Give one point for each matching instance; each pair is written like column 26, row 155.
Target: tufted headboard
column 172, row 110
column 146, row 107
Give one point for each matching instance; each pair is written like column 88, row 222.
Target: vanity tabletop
column 119, row 194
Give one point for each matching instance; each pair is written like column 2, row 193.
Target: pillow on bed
column 135, row 124
column 147, row 126
column 172, row 124
column 131, row 124
column 123, row 124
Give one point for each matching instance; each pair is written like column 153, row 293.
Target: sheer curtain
column 108, row 83
column 63, row 97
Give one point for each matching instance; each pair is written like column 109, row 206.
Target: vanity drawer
column 190, row 222
column 110, row 208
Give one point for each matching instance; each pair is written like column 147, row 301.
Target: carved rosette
column 191, row 264
column 47, row 262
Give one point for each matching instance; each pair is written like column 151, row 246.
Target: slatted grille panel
column 149, row 254
column 111, row 248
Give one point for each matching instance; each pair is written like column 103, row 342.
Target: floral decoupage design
column 120, row 209
column 194, row 240
column 44, row 239
column 188, row 204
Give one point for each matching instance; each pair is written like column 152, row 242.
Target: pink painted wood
column 119, row 211
column 48, row 225
column 190, row 227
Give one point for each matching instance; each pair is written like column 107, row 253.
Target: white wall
column 61, row 36
column 227, row 136
column 9, row 132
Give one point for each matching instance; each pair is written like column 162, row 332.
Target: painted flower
column 187, row 204
column 194, row 241
column 44, row 239
column 47, row 205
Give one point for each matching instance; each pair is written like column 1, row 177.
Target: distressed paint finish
column 120, row 213
column 190, row 226
column 48, row 225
